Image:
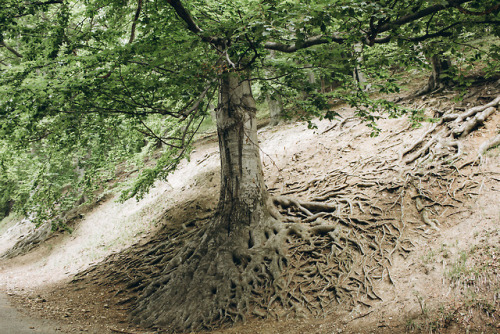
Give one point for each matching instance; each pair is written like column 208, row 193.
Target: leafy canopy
column 87, row 85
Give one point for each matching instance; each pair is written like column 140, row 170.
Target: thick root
column 304, row 207
column 472, row 123
column 30, row 241
column 216, row 278
column 443, row 145
column 493, row 142
column 319, row 249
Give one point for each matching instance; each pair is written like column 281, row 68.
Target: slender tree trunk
column 358, row 74
column 234, row 264
column 439, row 77
column 275, row 104
column 274, row 100
column 440, row 68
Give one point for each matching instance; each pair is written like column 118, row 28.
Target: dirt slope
column 442, row 274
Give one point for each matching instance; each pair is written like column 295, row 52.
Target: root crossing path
column 13, row 322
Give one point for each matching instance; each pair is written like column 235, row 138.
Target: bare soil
column 442, row 275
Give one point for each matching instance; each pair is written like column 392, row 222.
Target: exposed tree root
column 339, row 246
column 324, row 245
column 441, row 141
column 30, row 241
column 323, row 253
column 493, row 142
column 41, row 233
column 46, row 230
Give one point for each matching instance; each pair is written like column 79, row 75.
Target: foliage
column 87, row 85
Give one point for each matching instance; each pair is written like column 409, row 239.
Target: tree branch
column 316, row 40
column 185, row 112
column 50, row 2
column 418, row 15
column 441, row 33
column 486, row 12
column 136, row 17
column 185, row 16
column 322, row 39
column 2, row 43
column 191, row 25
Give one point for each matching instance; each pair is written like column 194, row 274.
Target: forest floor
column 446, row 279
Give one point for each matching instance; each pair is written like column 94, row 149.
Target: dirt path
column 13, row 322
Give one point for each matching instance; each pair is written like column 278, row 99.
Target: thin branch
column 253, row 48
column 429, row 36
column 161, row 69
column 150, row 133
column 100, row 110
column 486, row 12
column 487, row 22
column 467, row 45
column 295, row 69
column 420, row 14
column 441, row 33
column 2, row 43
column 45, row 135
column 429, row 23
column 42, row 3
column 136, row 18
column 129, row 93
column 229, row 61
column 316, row 40
column 186, row 112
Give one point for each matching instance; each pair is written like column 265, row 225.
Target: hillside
column 388, row 234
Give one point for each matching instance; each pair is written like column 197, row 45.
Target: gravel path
column 13, row 322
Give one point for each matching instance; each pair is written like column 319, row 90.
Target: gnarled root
column 424, row 211
column 300, row 257
column 305, row 207
column 30, row 241
column 444, row 144
column 218, row 277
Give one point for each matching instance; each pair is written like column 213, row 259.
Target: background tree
column 90, row 77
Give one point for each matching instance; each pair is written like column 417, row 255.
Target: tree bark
column 275, row 104
column 274, row 101
column 439, row 77
column 357, row 73
column 241, row 168
column 440, row 68
column 233, row 266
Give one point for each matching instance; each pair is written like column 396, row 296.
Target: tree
column 157, row 74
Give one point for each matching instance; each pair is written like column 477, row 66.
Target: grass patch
column 429, row 257
column 459, row 267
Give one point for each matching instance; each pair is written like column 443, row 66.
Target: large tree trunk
column 233, row 266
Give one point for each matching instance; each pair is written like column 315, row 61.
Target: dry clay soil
column 449, row 282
